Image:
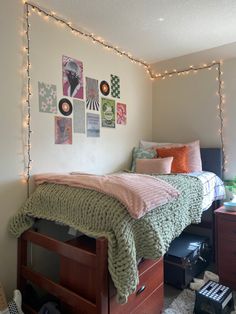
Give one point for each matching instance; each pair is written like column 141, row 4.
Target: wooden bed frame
column 85, row 285
column 84, row 282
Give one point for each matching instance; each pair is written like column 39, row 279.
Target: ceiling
column 152, row 30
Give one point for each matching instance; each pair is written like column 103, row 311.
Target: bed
column 132, row 246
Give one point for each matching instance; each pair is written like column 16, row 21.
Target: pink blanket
column 137, row 192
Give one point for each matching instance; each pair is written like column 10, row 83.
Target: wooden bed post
column 21, row 261
column 102, row 298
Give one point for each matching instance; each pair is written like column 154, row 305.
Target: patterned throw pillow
column 156, row 165
column 140, row 153
column 180, row 155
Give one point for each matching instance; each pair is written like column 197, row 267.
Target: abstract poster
column 78, row 116
column 63, row 130
column 121, row 113
column 92, row 96
column 93, row 125
column 47, row 97
column 108, row 113
column 115, row 86
column 72, row 77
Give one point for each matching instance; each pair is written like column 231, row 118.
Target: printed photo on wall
column 121, row 113
column 115, row 86
column 72, row 77
column 92, row 97
column 63, row 130
column 78, row 116
column 47, row 97
column 108, row 113
column 93, row 125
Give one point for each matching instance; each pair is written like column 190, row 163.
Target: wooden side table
column 225, row 230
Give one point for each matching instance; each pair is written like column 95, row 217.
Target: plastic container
column 230, row 206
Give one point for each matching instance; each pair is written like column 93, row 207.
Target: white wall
column 100, row 155
column 185, row 107
column 108, row 153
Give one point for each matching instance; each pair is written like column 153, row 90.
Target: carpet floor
column 184, row 303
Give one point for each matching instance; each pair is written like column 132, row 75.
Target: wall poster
column 121, row 114
column 63, row 130
column 78, row 116
column 108, row 112
column 93, row 125
column 115, row 86
column 92, row 96
column 47, row 97
column 72, row 77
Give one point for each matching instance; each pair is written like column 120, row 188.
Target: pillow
column 141, row 153
column 180, row 155
column 194, row 154
column 157, row 165
column 146, row 144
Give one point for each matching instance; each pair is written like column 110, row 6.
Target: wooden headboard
column 212, row 160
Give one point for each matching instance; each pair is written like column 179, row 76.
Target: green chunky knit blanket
column 96, row 214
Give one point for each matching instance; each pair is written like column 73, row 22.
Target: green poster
column 108, row 113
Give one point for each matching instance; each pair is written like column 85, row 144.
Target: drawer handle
column 140, row 290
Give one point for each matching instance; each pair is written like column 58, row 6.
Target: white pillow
column 145, row 144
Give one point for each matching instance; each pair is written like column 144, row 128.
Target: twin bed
column 118, row 240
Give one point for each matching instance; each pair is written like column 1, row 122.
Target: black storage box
column 187, row 257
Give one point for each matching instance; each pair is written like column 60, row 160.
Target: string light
column 84, row 34
column 27, row 122
column 121, row 53
column 219, row 93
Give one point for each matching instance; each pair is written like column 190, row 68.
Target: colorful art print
column 47, row 97
column 63, row 130
column 93, row 125
column 72, row 77
column 108, row 113
column 121, row 113
column 92, row 96
column 65, row 107
column 78, row 116
column 115, row 86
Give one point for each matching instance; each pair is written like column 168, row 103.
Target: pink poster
column 63, row 130
column 121, row 113
column 72, row 78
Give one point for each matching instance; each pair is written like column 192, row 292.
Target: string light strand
column 221, row 116
column 119, row 52
column 220, row 106
column 188, row 70
column 28, row 117
column 77, row 31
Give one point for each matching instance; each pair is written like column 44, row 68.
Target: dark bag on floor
column 187, row 257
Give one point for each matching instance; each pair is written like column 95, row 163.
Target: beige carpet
column 184, row 303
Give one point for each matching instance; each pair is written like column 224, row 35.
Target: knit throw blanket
column 137, row 192
column 97, row 214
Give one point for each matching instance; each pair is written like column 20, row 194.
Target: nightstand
column 225, row 230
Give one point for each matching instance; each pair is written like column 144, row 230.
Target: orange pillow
column 180, row 155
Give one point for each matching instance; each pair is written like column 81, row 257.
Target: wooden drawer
column 150, row 279
column 226, row 229
column 153, row 304
column 227, row 261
